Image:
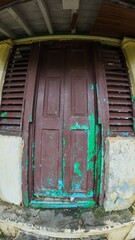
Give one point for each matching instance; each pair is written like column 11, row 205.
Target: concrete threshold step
column 27, row 236
column 20, row 223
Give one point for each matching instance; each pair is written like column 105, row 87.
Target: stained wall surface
column 119, row 173
column 11, row 149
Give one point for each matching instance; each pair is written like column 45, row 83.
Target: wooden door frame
column 27, row 161
column 28, row 135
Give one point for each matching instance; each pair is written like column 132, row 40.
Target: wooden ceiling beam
column 74, row 17
column 20, row 20
column 6, row 31
column 44, row 10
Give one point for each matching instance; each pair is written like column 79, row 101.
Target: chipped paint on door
column 65, row 127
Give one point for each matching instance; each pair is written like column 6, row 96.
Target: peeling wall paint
column 128, row 46
column 11, row 149
column 4, row 53
column 119, row 173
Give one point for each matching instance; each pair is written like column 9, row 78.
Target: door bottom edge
column 62, row 204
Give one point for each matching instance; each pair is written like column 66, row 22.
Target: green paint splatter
column 30, row 120
column 108, row 131
column 134, row 124
column 77, row 126
column 91, row 141
column 133, row 98
column 77, row 169
column 33, row 167
column 64, row 142
column 90, row 166
column 26, row 199
column 62, row 204
column 33, row 149
column 27, row 162
column 3, row 114
column 99, row 120
column 92, row 86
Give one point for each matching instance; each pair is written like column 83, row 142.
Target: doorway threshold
column 62, row 204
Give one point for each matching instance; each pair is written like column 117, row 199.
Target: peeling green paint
column 26, row 199
column 64, row 142
column 92, row 131
column 134, row 124
column 27, row 162
column 4, row 114
column 33, row 167
column 91, row 142
column 98, row 172
column 30, row 120
column 61, row 204
column 33, row 152
column 77, row 169
column 133, row 98
column 90, row 166
column 105, row 100
column 92, row 87
column 99, row 165
column 99, row 120
column 108, row 131
column 77, row 126
column 59, row 193
column 60, row 184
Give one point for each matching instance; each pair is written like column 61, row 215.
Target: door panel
column 65, row 125
column 79, row 105
column 49, row 120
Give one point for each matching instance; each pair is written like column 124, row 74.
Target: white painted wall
column 119, row 173
column 11, row 149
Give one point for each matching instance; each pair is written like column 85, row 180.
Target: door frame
column 28, row 136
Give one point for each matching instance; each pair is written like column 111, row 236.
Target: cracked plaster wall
column 11, row 149
column 119, row 173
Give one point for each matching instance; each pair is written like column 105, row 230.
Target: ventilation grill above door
column 119, row 93
column 12, row 104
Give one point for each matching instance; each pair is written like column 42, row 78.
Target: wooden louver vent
column 119, row 93
column 12, row 104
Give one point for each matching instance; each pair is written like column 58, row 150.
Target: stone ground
column 60, row 220
column 24, row 236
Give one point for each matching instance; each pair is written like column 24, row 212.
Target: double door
column 65, row 125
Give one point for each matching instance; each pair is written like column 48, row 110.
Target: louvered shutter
column 12, row 104
column 119, row 91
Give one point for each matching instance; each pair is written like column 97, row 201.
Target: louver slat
column 119, row 93
column 12, row 104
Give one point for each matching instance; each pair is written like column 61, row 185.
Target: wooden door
column 49, row 123
column 79, row 125
column 65, row 125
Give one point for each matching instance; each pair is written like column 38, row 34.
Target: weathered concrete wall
column 119, row 173
column 11, row 149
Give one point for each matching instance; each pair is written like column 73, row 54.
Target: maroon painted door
column 65, row 125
